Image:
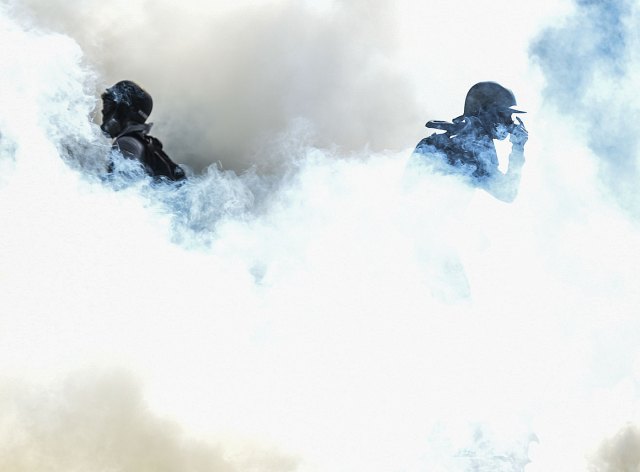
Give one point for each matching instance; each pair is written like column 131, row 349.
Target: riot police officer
column 125, row 109
column 466, row 147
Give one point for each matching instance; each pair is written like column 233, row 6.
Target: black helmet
column 485, row 96
column 126, row 101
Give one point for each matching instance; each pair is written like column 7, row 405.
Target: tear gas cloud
column 228, row 77
column 339, row 315
column 591, row 66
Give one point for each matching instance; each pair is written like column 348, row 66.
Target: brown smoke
column 227, row 79
column 620, row 453
column 99, row 422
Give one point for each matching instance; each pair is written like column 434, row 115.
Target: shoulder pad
column 130, row 146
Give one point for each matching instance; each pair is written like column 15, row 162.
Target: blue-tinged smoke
column 590, row 63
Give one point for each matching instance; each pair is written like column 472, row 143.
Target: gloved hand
column 519, row 134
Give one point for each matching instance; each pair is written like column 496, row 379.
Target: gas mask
column 499, row 122
column 112, row 116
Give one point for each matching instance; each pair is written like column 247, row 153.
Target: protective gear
column 489, row 96
column 124, row 103
column 493, row 105
column 135, row 143
column 126, row 107
column 466, row 147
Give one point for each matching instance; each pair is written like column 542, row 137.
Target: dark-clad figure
column 466, row 147
column 125, row 109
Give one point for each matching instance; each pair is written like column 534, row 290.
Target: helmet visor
column 513, row 110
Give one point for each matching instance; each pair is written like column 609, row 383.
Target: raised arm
column 505, row 186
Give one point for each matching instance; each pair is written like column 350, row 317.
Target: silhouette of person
column 466, row 147
column 125, row 109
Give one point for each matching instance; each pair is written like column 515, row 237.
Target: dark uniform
column 466, row 147
column 126, row 107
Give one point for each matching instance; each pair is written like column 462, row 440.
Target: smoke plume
column 590, row 63
column 343, row 314
column 97, row 420
column 618, row 453
column 228, row 79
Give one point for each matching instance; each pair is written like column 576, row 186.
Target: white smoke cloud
column 347, row 315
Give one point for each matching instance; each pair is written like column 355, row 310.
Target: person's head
column 125, row 102
column 493, row 105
